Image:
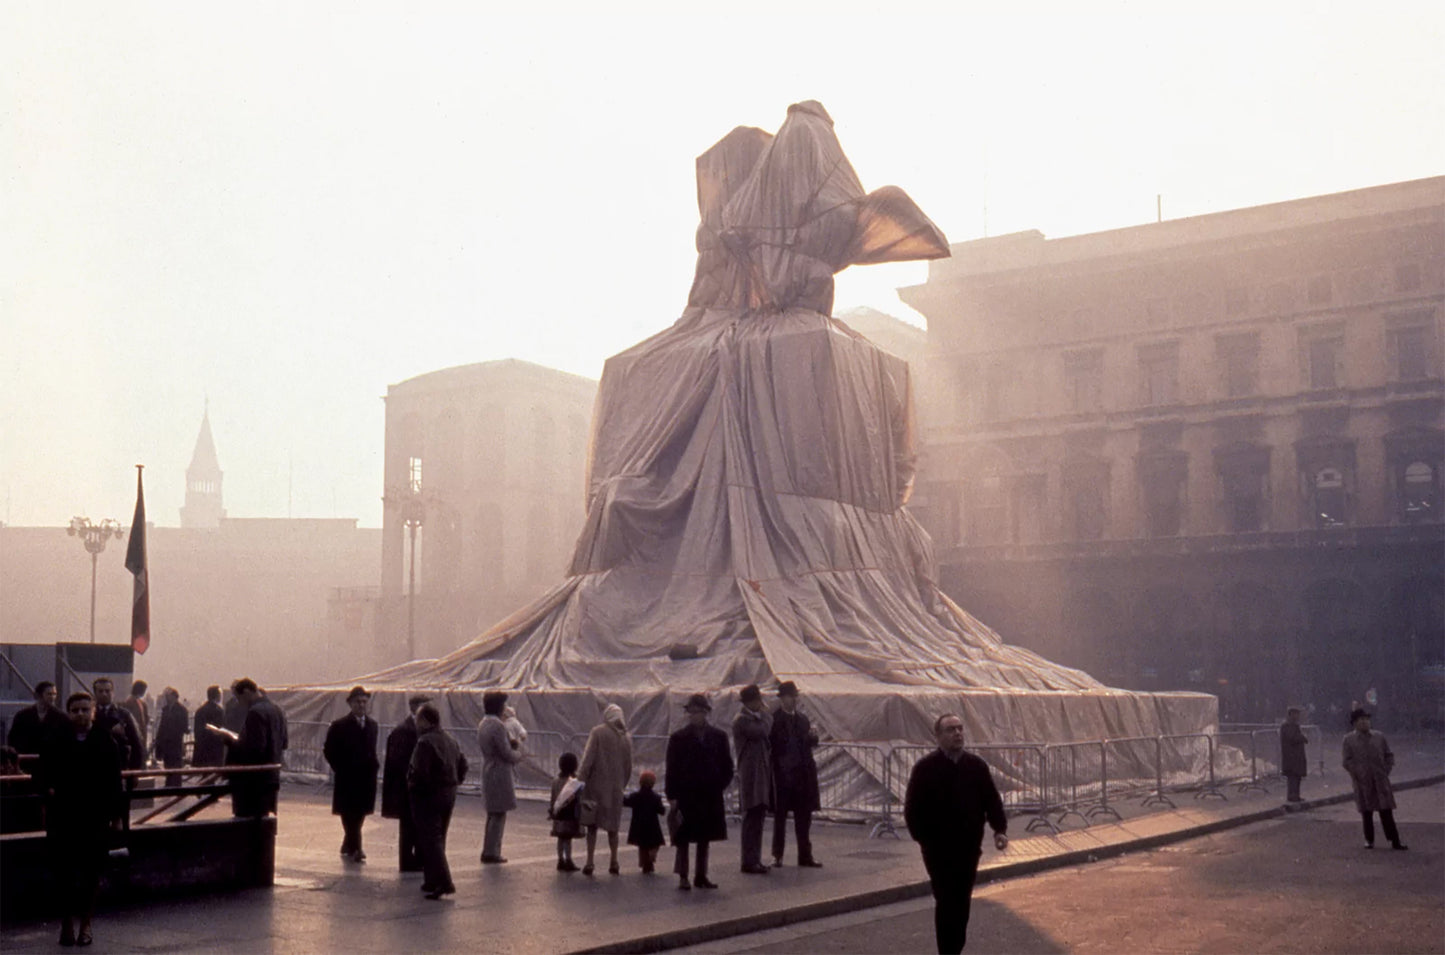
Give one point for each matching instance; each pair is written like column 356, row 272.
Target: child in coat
column 644, row 831
column 563, row 810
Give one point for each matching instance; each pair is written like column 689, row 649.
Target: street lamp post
column 407, row 498
column 94, row 536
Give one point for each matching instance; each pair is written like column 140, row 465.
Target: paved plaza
column 320, row 904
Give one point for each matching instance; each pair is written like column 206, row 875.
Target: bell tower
column 203, row 481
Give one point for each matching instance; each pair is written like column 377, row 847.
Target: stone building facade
column 1204, row 453
column 484, row 473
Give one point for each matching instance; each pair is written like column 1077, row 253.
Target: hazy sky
column 288, row 207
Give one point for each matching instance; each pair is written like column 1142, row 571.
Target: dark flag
column 135, row 562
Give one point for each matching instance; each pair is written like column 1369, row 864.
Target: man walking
column 795, row 776
column 755, row 775
column 1293, row 762
column 394, row 801
column 950, row 794
column 206, row 747
column 350, row 751
column 437, row 768
column 699, row 769
column 1368, row 759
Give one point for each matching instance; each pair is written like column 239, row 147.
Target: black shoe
column 756, row 869
column 493, row 860
column 67, row 936
column 358, row 856
column 1399, row 845
column 810, row 863
column 1369, row 845
column 83, row 938
column 704, row 883
column 684, row 885
column 566, row 865
column 777, row 862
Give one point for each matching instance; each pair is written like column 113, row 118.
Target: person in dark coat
column 171, row 734
column 261, row 742
column 206, row 747
column 34, row 725
column 111, row 718
column 699, row 770
column 394, row 805
column 1293, row 761
column 80, row 774
column 949, row 796
column 644, row 830
column 437, row 768
column 139, row 710
column 1367, row 757
column 350, row 750
column 751, row 748
column 795, row 776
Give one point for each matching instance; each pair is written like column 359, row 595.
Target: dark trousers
column 951, row 871
column 406, row 844
column 680, row 864
column 1292, row 788
column 802, row 825
column 1387, row 822
column 752, row 835
column 173, row 762
column 351, row 827
column 492, row 836
column 431, row 823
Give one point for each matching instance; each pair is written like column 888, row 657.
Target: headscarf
column 612, row 716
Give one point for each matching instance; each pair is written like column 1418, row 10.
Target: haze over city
column 281, row 210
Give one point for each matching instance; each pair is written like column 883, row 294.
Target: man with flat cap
column 699, row 769
column 795, row 776
column 755, row 774
column 350, row 749
column 395, row 803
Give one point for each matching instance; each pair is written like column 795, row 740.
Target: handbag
column 587, row 811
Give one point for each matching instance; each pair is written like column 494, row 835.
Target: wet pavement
column 321, row 904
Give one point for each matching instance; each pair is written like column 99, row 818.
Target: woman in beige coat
column 606, row 769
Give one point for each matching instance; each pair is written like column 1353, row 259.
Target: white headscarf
column 612, row 716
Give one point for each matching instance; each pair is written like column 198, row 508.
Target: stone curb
column 776, row 918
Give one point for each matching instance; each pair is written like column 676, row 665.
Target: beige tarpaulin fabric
column 746, row 519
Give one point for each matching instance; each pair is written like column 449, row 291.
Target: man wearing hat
column 1368, row 759
column 699, row 769
column 350, row 749
column 394, row 801
column 795, row 776
column 755, row 774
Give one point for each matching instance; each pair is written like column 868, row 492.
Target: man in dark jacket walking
column 350, row 750
column 1293, row 763
column 206, row 747
column 950, row 794
column 394, row 802
column 437, row 768
column 795, row 776
column 699, row 769
column 171, row 733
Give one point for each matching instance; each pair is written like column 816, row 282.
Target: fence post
column 1158, row 797
column 1213, row 789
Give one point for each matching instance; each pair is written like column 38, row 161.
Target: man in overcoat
column 111, row 718
column 755, row 774
column 261, row 742
column 206, row 747
column 437, row 768
column 1293, row 761
column 950, row 794
column 171, row 733
column 795, row 776
column 394, row 801
column 350, row 750
column 1368, row 759
column 699, row 770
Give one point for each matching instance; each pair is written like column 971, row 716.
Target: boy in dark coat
column 80, row 773
column 350, row 750
column 699, row 769
column 644, row 831
column 394, row 803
